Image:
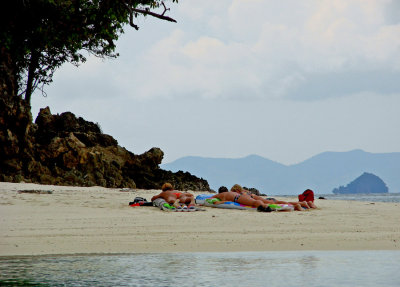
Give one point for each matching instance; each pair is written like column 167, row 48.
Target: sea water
column 371, row 197
column 297, row 268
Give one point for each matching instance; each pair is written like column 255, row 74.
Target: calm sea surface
column 300, row 268
column 372, row 197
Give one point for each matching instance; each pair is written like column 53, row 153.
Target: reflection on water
column 316, row 268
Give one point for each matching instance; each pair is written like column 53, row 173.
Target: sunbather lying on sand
column 298, row 205
column 242, row 199
column 174, row 197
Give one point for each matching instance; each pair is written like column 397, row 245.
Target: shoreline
column 95, row 220
column 8, row 257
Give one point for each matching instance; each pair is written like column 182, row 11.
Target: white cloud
column 267, row 49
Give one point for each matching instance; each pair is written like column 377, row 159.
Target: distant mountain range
column 321, row 173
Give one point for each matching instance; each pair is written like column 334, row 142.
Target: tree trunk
column 31, row 76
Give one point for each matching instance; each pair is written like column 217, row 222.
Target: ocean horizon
column 372, row 197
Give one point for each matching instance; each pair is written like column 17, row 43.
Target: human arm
column 155, row 197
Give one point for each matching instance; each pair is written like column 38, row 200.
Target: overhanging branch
column 131, row 17
column 160, row 16
column 146, row 11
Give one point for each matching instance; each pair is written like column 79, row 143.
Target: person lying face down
column 174, row 197
column 224, row 196
column 299, row 206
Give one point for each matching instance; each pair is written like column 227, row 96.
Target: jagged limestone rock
column 66, row 150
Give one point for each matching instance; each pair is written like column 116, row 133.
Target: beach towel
column 205, row 199
column 163, row 205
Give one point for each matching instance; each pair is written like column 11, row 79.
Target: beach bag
column 307, row 195
column 140, row 201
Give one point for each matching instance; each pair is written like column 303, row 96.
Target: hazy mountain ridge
column 322, row 172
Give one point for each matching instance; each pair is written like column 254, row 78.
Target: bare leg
column 192, row 201
column 263, row 200
column 311, row 204
column 187, row 199
column 251, row 202
column 182, row 199
column 266, row 201
column 297, row 206
column 304, row 204
column 172, row 200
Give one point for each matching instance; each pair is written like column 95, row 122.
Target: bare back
column 167, row 195
column 226, row 196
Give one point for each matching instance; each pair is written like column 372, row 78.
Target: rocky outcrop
column 15, row 140
column 64, row 149
column 365, row 183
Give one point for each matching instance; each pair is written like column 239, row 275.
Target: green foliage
column 40, row 35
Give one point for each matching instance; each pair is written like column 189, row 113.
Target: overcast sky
column 285, row 80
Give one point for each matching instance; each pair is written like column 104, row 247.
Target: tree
column 38, row 36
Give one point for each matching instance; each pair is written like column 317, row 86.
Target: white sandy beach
column 82, row 220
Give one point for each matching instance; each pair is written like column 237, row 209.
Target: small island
column 366, row 183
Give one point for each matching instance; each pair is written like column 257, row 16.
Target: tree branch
column 145, row 12
column 160, row 16
column 165, row 9
column 131, row 17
